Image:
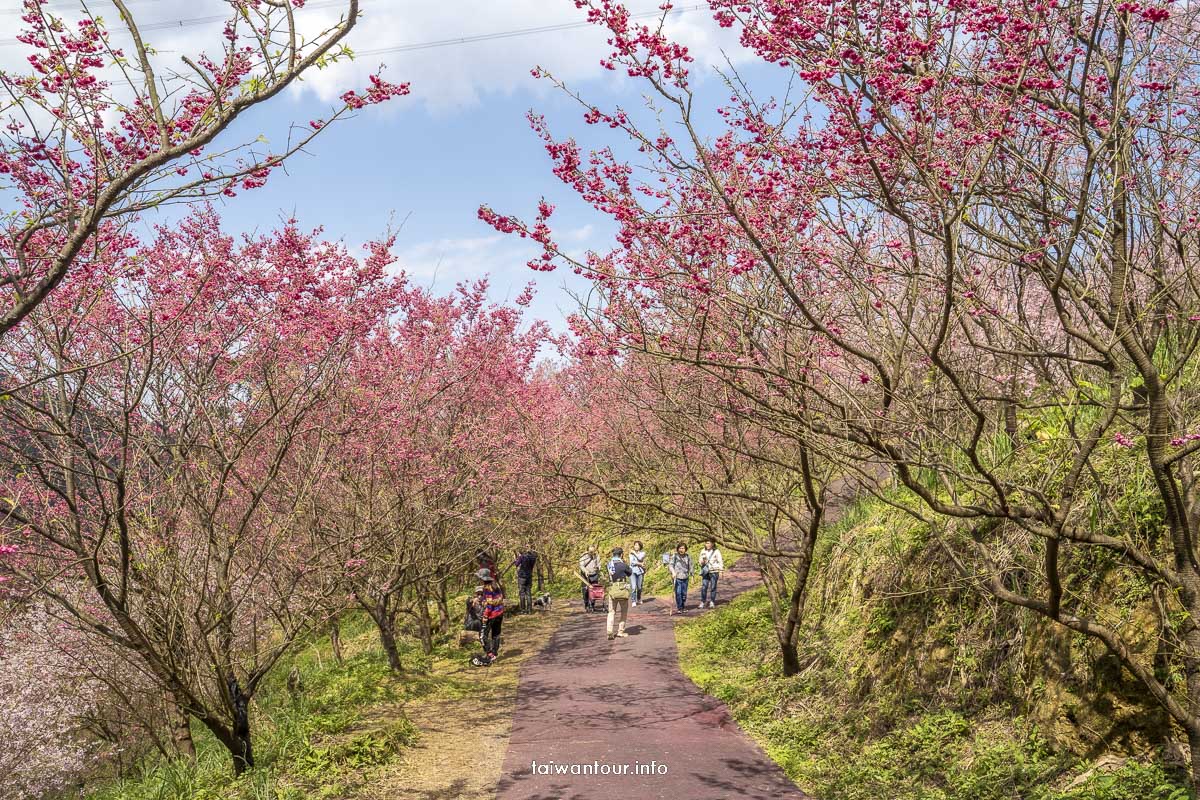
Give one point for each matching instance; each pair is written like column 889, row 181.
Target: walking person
column 711, row 566
column 681, row 571
column 618, row 594
column 492, row 598
column 637, row 563
column 525, row 563
column 589, row 571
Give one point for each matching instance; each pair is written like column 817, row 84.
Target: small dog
column 542, row 601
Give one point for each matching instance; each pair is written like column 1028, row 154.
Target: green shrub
column 1133, row 781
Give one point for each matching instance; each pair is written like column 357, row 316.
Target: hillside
column 914, row 687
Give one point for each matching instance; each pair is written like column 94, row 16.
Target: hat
column 616, row 551
column 479, row 590
column 484, row 575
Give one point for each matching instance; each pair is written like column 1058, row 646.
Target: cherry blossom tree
column 94, row 134
column 44, row 704
column 155, row 481
column 430, row 462
column 964, row 246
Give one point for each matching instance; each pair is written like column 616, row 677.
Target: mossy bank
column 915, row 687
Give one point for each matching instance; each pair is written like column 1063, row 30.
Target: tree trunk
column 335, row 642
column 181, row 731
column 443, row 606
column 387, row 637
column 791, row 659
column 426, row 626
column 243, row 753
column 239, row 745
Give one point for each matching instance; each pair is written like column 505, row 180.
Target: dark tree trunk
column 387, row 637
column 791, row 659
column 239, row 745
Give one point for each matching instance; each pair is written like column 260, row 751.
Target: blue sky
column 461, row 139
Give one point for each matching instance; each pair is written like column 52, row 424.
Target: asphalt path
column 586, row 704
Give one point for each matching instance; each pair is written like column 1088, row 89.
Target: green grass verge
column 322, row 744
column 835, row 749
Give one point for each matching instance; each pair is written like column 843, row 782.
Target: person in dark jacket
column 526, row 560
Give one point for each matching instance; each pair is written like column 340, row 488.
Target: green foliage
column 868, row 750
column 368, row 749
column 1132, row 781
column 310, row 747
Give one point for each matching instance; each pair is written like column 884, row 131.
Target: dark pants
column 525, row 591
column 588, row 602
column 489, row 636
column 681, row 587
column 708, row 587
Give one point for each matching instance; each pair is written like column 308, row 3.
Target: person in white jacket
column 711, row 566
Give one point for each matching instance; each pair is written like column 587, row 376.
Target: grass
column 316, row 745
column 344, row 733
column 463, row 740
column 838, row 745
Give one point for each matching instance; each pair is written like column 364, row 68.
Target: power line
column 187, row 23
column 487, row 37
column 413, row 46
column 75, row 4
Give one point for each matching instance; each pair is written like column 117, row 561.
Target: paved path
column 573, row 707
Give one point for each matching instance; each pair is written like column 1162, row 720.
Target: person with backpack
column 711, row 566
column 589, row 571
column 618, row 594
column 492, row 598
column 681, row 571
column 637, row 565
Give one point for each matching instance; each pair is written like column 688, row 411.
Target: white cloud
column 444, row 262
column 441, row 263
column 444, row 78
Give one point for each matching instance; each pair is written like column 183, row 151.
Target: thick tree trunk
column 791, row 659
column 243, row 753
